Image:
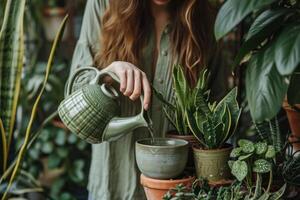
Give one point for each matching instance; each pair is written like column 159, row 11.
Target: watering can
column 91, row 112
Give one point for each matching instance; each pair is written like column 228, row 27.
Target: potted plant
column 162, row 162
column 271, row 49
column 175, row 110
column 212, row 124
column 53, row 13
column 255, row 159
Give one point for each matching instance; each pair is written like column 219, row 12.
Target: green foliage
column 272, row 47
column 11, row 64
column 201, row 190
column 291, row 166
column 185, row 98
column 213, row 123
column 249, row 158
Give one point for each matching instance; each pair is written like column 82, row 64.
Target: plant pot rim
column 163, row 184
column 54, row 11
column 287, row 106
column 173, row 135
column 180, row 143
column 226, row 147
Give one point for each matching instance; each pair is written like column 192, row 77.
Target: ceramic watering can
column 92, row 111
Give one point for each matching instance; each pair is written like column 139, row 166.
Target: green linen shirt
column 113, row 173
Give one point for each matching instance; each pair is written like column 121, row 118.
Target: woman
column 139, row 40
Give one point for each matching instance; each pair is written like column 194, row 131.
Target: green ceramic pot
column 162, row 158
column 212, row 164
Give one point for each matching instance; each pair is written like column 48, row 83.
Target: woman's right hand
column 132, row 81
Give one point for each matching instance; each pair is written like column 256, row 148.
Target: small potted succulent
column 212, row 124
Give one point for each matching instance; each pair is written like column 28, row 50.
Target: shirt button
column 164, row 53
column 167, row 30
column 160, row 80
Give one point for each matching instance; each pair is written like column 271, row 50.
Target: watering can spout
column 119, row 126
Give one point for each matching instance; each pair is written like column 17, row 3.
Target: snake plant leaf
column 265, row 87
column 266, row 20
column 231, row 100
column 278, row 194
column 233, row 11
column 287, row 50
column 262, row 28
column 227, row 121
column 34, row 109
column 191, row 120
column 180, row 85
column 11, row 62
column 246, row 145
column 262, row 166
column 239, row 169
column 261, row 148
column 270, row 152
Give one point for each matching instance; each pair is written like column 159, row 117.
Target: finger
column 137, row 85
column 147, row 91
column 129, row 83
column 123, row 81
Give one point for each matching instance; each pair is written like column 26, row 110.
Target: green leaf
column 239, row 169
column 266, row 20
column 262, row 166
column 54, row 161
column 265, row 87
column 11, row 62
column 263, row 27
column 278, row 195
column 194, row 128
column 270, row 152
column 60, row 137
column 287, row 50
column 246, row 145
column 293, row 93
column 261, row 148
column 230, row 163
column 245, row 157
column 48, row 147
column 233, row 11
column 180, row 85
column 236, row 152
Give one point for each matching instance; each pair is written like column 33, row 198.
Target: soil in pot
column 191, row 139
column 213, row 164
column 155, row 189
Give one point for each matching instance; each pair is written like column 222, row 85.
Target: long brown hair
column 126, row 25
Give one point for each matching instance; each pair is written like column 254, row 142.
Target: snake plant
column 211, row 123
column 11, row 64
column 183, row 98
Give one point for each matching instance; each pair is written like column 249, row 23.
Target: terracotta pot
column 294, row 121
column 192, row 140
column 155, row 189
column 52, row 18
column 212, row 164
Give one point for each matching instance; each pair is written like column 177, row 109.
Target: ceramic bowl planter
column 212, row 163
column 161, row 158
column 155, row 188
column 52, row 17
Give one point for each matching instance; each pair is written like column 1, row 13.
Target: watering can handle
column 99, row 75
